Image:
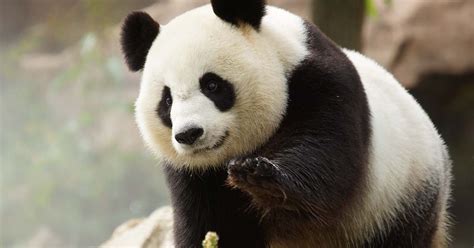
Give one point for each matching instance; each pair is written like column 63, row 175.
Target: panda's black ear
column 139, row 31
column 239, row 12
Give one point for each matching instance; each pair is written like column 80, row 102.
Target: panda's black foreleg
column 316, row 179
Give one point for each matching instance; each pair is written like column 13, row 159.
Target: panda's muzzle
column 220, row 142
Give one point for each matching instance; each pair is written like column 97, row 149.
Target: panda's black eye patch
column 218, row 90
column 164, row 107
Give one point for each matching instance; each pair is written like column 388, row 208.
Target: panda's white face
column 211, row 91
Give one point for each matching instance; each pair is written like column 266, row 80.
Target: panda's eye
column 211, row 86
column 169, row 101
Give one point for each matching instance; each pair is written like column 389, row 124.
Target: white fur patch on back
column 406, row 148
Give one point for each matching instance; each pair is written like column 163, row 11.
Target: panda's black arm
column 316, row 175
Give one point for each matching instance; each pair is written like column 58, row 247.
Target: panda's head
column 214, row 81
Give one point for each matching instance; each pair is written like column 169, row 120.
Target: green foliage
column 370, row 8
column 211, row 240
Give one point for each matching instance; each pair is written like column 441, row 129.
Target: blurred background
column 73, row 166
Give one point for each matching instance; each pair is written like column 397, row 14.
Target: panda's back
column 407, row 154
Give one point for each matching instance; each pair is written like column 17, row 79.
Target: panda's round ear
column 139, row 31
column 239, row 12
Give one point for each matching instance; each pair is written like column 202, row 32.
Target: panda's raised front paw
column 258, row 176
column 251, row 170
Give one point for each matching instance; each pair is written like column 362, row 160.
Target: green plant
column 211, row 240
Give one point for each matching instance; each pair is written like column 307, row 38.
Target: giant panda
column 272, row 135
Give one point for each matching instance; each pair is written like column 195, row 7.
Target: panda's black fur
column 322, row 147
column 141, row 32
column 204, row 202
column 240, row 12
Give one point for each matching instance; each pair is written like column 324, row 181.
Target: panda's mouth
column 220, row 142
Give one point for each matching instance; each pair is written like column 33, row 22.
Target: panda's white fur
column 406, row 149
column 197, row 42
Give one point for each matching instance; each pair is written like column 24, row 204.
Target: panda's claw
column 255, row 171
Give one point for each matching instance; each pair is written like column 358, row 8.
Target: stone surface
column 415, row 38
column 153, row 231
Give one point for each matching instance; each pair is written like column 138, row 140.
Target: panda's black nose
column 189, row 136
